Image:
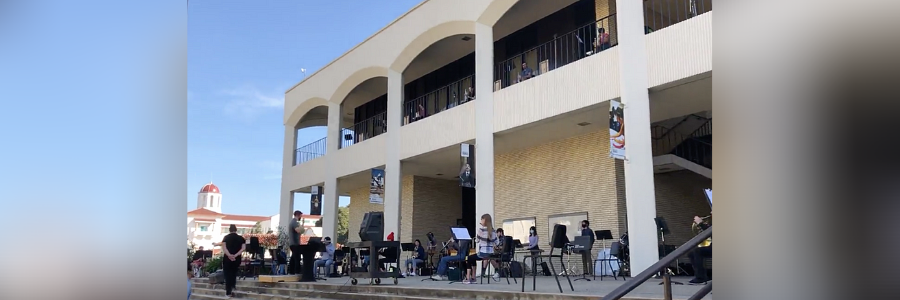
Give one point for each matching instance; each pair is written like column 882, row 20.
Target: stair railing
column 660, row 265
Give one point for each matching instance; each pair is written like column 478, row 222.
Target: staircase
column 674, row 151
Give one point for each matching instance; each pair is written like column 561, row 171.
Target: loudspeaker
column 254, row 245
column 558, row 239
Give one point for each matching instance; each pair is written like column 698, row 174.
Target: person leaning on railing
column 526, row 72
column 602, row 41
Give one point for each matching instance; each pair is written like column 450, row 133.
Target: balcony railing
column 441, row 99
column 365, row 129
column 659, row 14
column 562, row 50
column 309, row 151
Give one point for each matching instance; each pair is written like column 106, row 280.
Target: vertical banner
column 616, row 130
column 376, row 187
column 315, row 200
column 467, row 166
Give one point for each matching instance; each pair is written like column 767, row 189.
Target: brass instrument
column 697, row 230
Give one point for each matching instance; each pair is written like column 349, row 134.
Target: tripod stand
column 567, row 268
column 663, row 230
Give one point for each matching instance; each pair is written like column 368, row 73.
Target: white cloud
column 248, row 102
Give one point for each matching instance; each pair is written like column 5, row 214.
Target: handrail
column 636, row 281
column 309, row 151
column 659, row 14
column 438, row 100
column 363, row 130
column 560, row 51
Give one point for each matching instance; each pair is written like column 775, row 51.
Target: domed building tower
column 210, row 198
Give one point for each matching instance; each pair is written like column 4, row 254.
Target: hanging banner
column 616, row 130
column 376, row 187
column 315, row 200
column 467, row 166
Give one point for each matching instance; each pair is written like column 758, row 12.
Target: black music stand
column 663, row 229
column 434, row 271
column 464, row 241
column 407, row 248
column 583, row 243
column 602, row 235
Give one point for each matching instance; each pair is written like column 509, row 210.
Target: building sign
column 616, row 130
column 376, row 187
column 315, row 201
column 467, row 166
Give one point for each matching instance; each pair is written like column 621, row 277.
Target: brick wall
column 437, row 205
column 359, row 206
column 566, row 176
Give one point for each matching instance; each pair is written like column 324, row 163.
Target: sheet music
column 460, row 233
column 708, row 196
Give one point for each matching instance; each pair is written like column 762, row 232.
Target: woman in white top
column 487, row 240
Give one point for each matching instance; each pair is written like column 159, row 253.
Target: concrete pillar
column 330, row 195
column 484, row 124
column 392, row 176
column 286, row 208
column 639, row 186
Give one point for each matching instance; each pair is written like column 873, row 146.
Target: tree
column 256, row 228
column 343, row 229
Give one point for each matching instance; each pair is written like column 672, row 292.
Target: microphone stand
column 439, row 259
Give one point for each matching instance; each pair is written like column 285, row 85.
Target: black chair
column 615, row 250
column 338, row 261
column 507, row 252
column 558, row 240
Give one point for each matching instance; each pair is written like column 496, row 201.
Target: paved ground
column 650, row 289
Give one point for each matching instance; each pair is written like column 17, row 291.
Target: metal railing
column 309, row 151
column 363, row 130
column 695, row 147
column 560, row 51
column 660, row 265
column 441, row 99
column 659, row 14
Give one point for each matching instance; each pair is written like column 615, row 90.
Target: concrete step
column 287, row 294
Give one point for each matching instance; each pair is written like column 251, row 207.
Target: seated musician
column 487, row 241
column 197, row 261
column 498, row 254
column 327, row 257
column 418, row 259
column 699, row 254
column 446, row 260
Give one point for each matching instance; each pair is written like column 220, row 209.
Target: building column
column 484, row 121
column 392, row 175
column 286, row 209
column 639, row 186
column 330, row 195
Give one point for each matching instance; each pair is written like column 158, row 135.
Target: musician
column 452, row 244
column 327, row 257
column 198, row 260
column 487, row 241
column 586, row 255
column 418, row 259
column 699, row 254
column 294, row 233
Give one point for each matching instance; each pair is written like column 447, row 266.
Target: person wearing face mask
column 586, row 255
column 533, row 241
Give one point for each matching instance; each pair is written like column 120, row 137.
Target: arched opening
column 535, row 37
column 364, row 111
column 311, row 135
column 440, row 77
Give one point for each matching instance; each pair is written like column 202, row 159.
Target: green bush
column 213, row 264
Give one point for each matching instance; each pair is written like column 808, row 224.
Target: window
column 211, row 201
column 203, row 227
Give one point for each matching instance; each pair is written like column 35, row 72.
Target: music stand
column 602, row 235
column 434, row 271
column 663, row 229
column 582, row 243
column 407, row 248
column 462, row 237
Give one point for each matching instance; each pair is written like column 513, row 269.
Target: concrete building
column 207, row 224
column 399, row 102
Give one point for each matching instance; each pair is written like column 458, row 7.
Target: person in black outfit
column 233, row 245
column 699, row 254
column 294, row 231
column 586, row 255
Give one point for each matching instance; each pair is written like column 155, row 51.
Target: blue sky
column 242, row 57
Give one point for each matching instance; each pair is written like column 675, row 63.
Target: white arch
column 429, row 37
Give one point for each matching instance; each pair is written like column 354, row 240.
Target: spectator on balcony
column 420, row 112
column 469, row 94
column 526, row 73
column 602, row 41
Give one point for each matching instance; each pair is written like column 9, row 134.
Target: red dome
column 209, row 188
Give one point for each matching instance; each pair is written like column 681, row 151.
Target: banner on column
column 315, row 200
column 376, row 187
column 467, row 166
column 616, row 130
